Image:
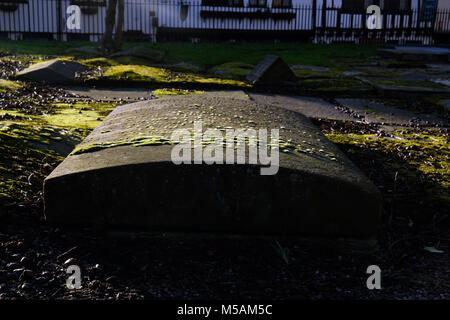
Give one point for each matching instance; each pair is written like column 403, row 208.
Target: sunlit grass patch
column 98, row 62
column 138, row 73
column 82, row 116
column 7, row 85
column 234, row 68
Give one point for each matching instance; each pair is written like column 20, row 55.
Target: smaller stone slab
column 311, row 107
column 271, row 71
column 447, row 105
column 415, row 76
column 377, row 112
column 310, row 68
column 53, row 71
column 419, row 54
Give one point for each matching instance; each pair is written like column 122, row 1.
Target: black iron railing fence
column 165, row 19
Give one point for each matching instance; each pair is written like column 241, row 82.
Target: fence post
column 324, row 17
column 59, row 9
column 314, row 13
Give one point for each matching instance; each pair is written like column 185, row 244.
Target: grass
column 98, row 62
column 212, row 54
column 39, row 47
column 234, row 68
column 6, row 85
column 139, row 73
column 136, row 73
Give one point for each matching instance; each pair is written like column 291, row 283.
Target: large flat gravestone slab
column 271, row 71
column 122, row 176
column 53, row 71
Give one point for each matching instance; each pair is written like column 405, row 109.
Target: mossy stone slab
column 124, row 184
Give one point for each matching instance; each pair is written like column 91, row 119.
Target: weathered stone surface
column 309, row 106
column 377, row 112
column 415, row 76
column 53, row 71
column 419, row 54
column 139, row 94
column 402, row 89
column 311, row 68
column 447, row 105
column 271, row 71
column 317, row 190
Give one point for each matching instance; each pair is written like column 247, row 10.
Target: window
column 282, row 4
column 223, row 3
column 257, row 3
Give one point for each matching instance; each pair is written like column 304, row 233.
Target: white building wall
column 42, row 16
column 444, row 4
column 170, row 16
column 442, row 24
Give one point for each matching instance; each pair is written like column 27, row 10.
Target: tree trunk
column 119, row 27
column 110, row 21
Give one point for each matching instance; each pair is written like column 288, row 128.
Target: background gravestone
column 272, row 71
column 53, row 71
column 122, row 176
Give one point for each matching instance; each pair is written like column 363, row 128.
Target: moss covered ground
column 7, row 85
column 411, row 167
column 36, row 136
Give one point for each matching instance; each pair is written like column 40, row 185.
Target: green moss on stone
column 135, row 142
column 140, row 73
column 98, row 62
column 171, row 92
